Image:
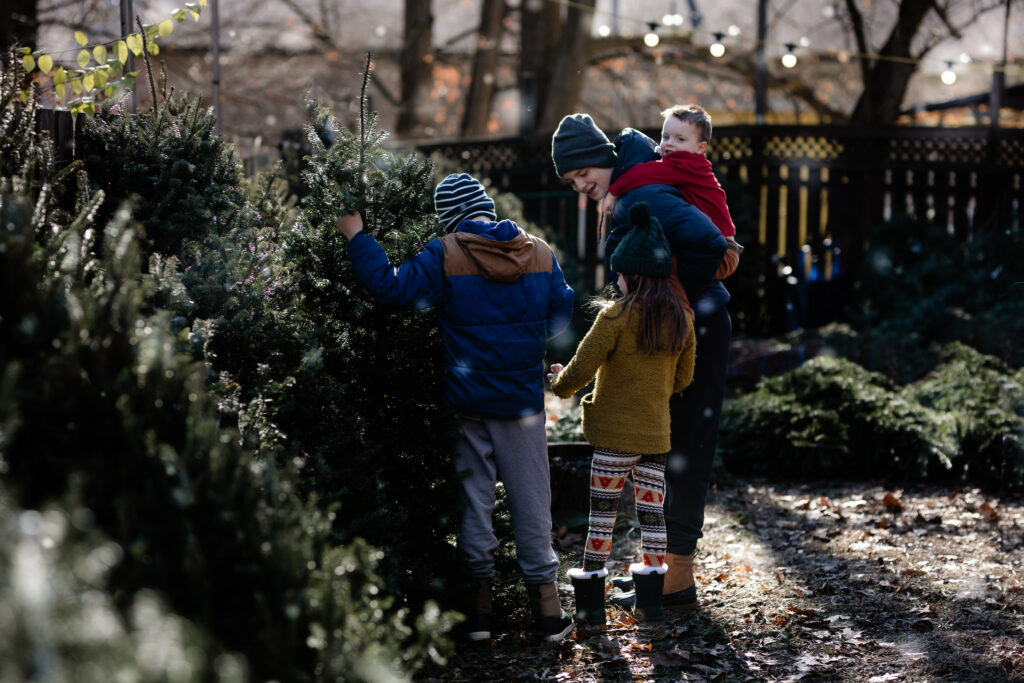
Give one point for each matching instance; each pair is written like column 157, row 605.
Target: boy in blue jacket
column 500, row 295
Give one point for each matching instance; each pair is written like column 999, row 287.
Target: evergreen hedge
column 163, row 375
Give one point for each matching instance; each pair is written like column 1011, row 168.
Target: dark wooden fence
column 809, row 196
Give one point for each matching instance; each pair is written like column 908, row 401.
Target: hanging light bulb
column 948, row 76
column 717, row 49
column 789, row 59
column 651, row 38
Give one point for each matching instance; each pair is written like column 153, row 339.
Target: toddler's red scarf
column 689, row 173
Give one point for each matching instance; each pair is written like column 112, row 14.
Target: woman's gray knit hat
column 579, row 143
column 461, row 196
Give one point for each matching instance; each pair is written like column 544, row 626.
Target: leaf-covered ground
column 863, row 583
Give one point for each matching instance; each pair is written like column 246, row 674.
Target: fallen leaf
column 666, row 659
column 721, row 577
column 892, row 503
column 989, row 512
column 804, row 612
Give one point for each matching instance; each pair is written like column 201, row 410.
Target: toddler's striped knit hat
column 461, row 196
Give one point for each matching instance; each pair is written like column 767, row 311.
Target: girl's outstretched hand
column 555, row 369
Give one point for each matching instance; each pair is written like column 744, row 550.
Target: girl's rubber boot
column 550, row 621
column 680, row 589
column 649, row 582
column 588, row 588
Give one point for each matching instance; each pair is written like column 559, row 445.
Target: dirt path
column 861, row 583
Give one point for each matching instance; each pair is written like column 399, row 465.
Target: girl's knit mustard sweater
column 628, row 408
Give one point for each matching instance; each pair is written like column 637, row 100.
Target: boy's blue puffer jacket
column 500, row 295
column 697, row 244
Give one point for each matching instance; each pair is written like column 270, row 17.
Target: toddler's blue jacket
column 697, row 244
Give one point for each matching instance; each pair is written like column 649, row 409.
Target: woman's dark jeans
column 695, row 416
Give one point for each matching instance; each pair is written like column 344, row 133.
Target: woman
column 584, row 157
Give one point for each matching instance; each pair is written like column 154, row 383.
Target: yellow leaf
column 76, row 85
column 193, row 9
column 154, row 49
column 202, row 2
column 179, row 14
column 45, row 63
column 24, row 96
column 134, row 42
column 29, row 62
column 100, row 54
column 81, row 38
column 61, row 89
column 61, row 76
column 151, row 30
column 122, row 51
column 89, row 82
column 100, row 78
column 84, row 58
column 166, row 27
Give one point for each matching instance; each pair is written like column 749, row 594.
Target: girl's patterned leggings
column 608, row 472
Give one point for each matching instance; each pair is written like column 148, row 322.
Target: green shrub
column 60, row 620
column 103, row 402
column 986, row 402
column 832, row 418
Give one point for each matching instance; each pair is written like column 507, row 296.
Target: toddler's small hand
column 607, row 204
column 555, row 369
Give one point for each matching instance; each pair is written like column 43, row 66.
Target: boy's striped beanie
column 461, row 196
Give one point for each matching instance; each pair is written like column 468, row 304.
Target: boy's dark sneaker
column 553, row 629
column 478, row 627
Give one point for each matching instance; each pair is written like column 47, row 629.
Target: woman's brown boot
column 680, row 590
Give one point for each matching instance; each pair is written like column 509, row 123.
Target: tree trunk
column 485, row 61
column 18, row 24
column 531, row 63
column 562, row 89
column 888, row 77
column 415, row 64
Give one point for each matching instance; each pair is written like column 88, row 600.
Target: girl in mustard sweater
column 641, row 348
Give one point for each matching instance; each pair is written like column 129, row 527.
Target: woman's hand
column 555, row 369
column 350, row 225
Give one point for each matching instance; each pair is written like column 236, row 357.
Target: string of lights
column 788, row 58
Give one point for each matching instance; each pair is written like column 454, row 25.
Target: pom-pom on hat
column 461, row 196
column 579, row 143
column 645, row 249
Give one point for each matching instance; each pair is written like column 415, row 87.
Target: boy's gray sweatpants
column 516, row 452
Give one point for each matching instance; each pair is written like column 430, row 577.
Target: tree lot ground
column 807, row 582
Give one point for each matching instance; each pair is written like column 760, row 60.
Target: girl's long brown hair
column 659, row 310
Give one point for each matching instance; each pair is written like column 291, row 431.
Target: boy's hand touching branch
column 350, row 225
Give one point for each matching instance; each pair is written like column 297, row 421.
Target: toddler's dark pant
column 695, row 416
